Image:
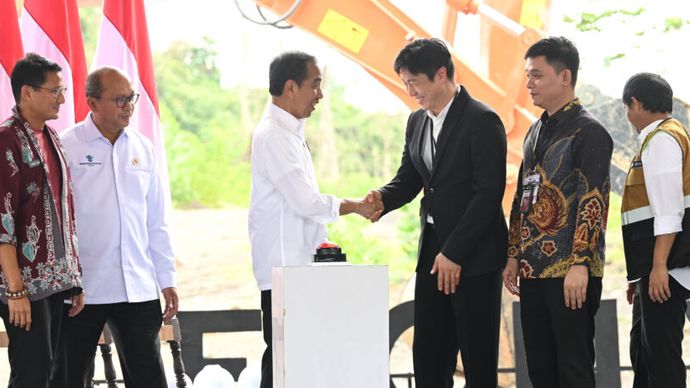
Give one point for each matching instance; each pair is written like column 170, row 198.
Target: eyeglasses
column 122, row 100
column 56, row 92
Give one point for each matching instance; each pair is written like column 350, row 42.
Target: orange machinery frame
column 371, row 32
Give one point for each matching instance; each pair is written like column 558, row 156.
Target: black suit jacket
column 464, row 191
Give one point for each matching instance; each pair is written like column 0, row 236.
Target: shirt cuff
column 167, row 281
column 8, row 239
column 667, row 224
column 335, row 209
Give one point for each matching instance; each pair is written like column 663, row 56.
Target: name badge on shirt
column 530, row 191
column 90, row 161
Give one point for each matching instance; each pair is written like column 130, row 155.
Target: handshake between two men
column 369, row 207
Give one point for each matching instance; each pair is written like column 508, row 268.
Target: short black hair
column 31, row 71
column 291, row 65
column 560, row 53
column 651, row 90
column 425, row 56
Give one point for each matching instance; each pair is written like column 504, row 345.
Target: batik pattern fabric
column 566, row 223
column 46, row 243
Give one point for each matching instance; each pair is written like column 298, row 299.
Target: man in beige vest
column 655, row 233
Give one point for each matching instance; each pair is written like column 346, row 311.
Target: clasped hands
column 370, row 207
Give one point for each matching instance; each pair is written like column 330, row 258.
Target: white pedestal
column 330, row 326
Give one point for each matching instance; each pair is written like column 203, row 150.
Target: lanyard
column 536, row 141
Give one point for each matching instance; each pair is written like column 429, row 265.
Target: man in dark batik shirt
column 38, row 246
column 558, row 221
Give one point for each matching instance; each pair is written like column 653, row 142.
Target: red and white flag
column 51, row 28
column 124, row 43
column 10, row 52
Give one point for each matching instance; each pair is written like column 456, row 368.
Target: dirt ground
column 214, row 273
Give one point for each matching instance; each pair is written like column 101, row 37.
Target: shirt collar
column 286, row 120
column 23, row 123
column 561, row 112
column 18, row 116
column 649, row 128
column 444, row 112
column 92, row 132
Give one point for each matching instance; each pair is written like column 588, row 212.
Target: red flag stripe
column 11, row 48
column 129, row 18
column 60, row 22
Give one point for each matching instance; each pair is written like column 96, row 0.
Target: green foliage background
column 208, row 132
column 208, row 142
column 208, row 139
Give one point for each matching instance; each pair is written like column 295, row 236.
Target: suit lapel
column 448, row 130
column 416, row 151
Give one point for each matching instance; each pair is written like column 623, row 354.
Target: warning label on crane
column 343, row 30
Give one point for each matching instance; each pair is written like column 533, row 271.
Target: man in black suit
column 455, row 150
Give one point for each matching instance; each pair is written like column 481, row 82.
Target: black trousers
column 559, row 341
column 656, row 337
column 32, row 353
column 267, row 358
column 135, row 328
column 467, row 321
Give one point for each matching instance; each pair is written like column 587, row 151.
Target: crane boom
column 372, row 32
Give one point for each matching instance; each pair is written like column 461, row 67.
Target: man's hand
column 19, row 309
column 575, row 286
column 510, row 276
column 375, row 198
column 658, row 284
column 20, row 312
column 448, row 274
column 77, row 304
column 364, row 208
column 630, row 292
column 171, row 303
column 369, row 207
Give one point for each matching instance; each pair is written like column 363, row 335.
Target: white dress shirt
column 287, row 213
column 662, row 161
column 122, row 215
column 436, row 122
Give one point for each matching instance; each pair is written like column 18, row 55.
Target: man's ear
column 91, row 102
column 25, row 92
column 290, row 88
column 441, row 74
column 635, row 104
column 566, row 77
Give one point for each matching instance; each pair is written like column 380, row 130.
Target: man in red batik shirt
column 38, row 245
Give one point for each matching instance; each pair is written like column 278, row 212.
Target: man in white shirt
column 287, row 213
column 656, row 235
column 122, row 213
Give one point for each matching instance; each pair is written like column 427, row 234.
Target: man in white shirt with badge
column 656, row 233
column 287, row 212
column 122, row 213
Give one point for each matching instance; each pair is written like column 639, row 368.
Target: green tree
column 208, row 146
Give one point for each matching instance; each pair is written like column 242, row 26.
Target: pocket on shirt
column 141, row 175
column 80, row 171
